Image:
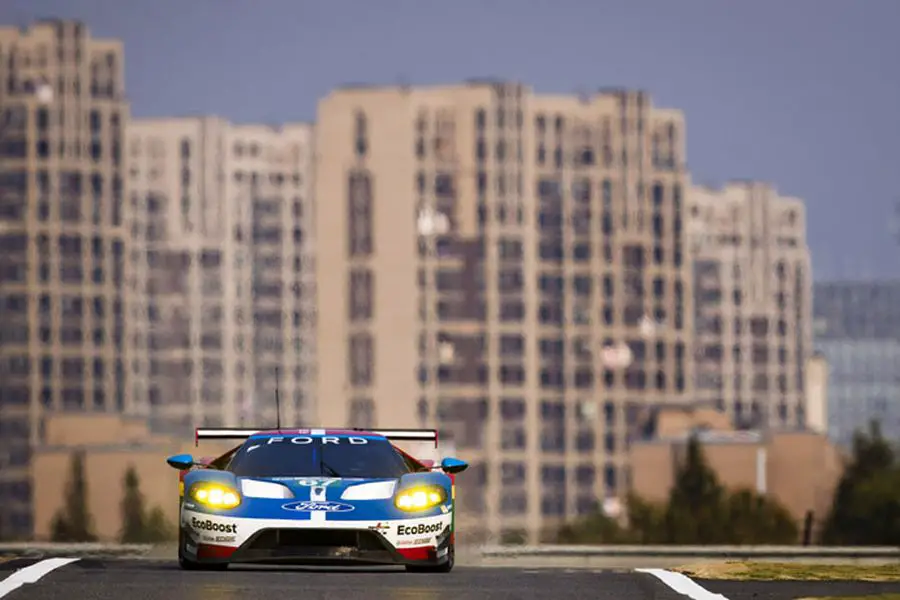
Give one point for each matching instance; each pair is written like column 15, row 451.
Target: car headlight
column 420, row 498
column 215, row 495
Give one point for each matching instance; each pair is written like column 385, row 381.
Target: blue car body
column 317, row 497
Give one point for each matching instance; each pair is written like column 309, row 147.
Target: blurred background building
column 752, row 297
column 799, row 468
column 160, row 268
column 223, row 270
column 63, row 241
column 531, row 274
column 858, row 333
column 817, row 376
column 108, row 444
column 510, row 268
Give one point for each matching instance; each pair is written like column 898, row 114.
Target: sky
column 803, row 94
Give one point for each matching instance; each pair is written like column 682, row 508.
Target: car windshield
column 315, row 456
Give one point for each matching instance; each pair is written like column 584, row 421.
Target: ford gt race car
column 316, row 496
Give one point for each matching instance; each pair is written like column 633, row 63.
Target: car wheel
column 190, row 565
column 444, row 567
column 186, row 564
column 183, row 562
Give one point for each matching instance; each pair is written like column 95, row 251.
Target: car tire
column 190, row 565
column 444, row 567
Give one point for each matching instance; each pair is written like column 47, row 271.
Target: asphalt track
column 161, row 579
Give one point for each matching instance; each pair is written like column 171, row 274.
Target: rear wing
column 394, row 435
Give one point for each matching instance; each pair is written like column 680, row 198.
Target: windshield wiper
column 326, row 467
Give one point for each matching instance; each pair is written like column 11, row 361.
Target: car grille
column 285, row 544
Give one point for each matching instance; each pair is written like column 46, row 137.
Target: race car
column 317, row 497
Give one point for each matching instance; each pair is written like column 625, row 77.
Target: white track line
column 683, row 584
column 31, row 574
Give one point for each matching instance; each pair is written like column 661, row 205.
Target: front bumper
column 214, row 539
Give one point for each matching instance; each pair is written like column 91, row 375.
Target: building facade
column 799, row 469
column 753, row 303
column 817, row 404
column 858, row 332
column 63, row 241
column 224, row 269
column 511, row 269
column 109, row 445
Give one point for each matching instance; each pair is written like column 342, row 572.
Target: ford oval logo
column 317, row 506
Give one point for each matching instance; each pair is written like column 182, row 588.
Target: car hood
column 328, row 488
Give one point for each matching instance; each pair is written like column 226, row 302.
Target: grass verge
column 773, row 571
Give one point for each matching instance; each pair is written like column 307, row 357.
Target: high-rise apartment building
column 753, row 303
column 510, row 268
column 63, row 241
column 224, row 267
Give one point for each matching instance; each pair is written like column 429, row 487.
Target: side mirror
column 454, row 465
column 182, row 462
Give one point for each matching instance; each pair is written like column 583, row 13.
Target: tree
column 756, row 519
column 695, row 513
column 699, row 510
column 595, row 528
column 878, row 499
column 133, row 513
column 513, row 537
column 73, row 522
column 866, row 505
column 140, row 526
column 159, row 529
column 646, row 521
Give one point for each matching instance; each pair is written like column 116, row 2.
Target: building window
column 359, row 214
column 361, row 361
column 361, row 134
column 362, row 413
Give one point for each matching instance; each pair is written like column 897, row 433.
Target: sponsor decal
column 217, row 539
column 317, row 506
column 303, row 440
column 420, row 529
column 381, row 527
column 210, row 525
column 406, row 543
column 315, row 482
